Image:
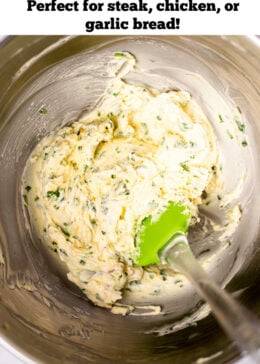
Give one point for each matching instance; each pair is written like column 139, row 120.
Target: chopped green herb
column 65, row 232
column 28, row 188
column 45, row 156
column 25, row 198
column 133, row 156
column 220, row 118
column 54, row 193
column 36, row 198
column 156, row 292
column 82, row 262
column 186, row 126
column 115, row 93
column 65, row 224
column 178, row 281
column 230, row 135
column 103, row 232
column 117, row 150
column 113, row 176
column 244, row 143
column 56, row 207
column 54, row 243
column 228, row 243
column 80, row 147
column 163, row 274
column 144, row 125
column 74, row 165
column 240, row 125
column 63, row 252
column 85, row 168
column 125, row 191
column 43, row 111
column 219, row 197
column 135, row 282
column 158, row 117
column 185, row 167
column 119, row 54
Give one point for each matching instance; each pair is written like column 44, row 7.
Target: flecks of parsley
column 54, row 193
column 240, row 125
column 220, row 118
column 228, row 243
column 119, row 54
column 63, row 252
column 25, row 199
column 43, row 111
column 65, row 232
column 230, row 135
column 156, row 292
column 185, row 167
column 163, row 274
column 178, row 281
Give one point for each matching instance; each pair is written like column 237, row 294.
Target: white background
column 15, row 19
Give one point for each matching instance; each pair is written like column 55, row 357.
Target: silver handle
column 238, row 323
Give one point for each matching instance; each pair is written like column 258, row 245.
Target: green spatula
column 153, row 235
column 164, row 240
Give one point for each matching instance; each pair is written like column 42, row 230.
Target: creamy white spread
column 88, row 186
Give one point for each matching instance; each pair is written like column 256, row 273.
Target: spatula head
column 153, row 234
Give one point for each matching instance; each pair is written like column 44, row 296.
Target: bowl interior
column 67, row 76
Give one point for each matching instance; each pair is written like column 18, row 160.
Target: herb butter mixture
column 88, row 186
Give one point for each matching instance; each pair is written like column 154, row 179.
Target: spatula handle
column 238, row 323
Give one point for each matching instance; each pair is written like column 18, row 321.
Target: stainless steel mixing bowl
column 41, row 314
